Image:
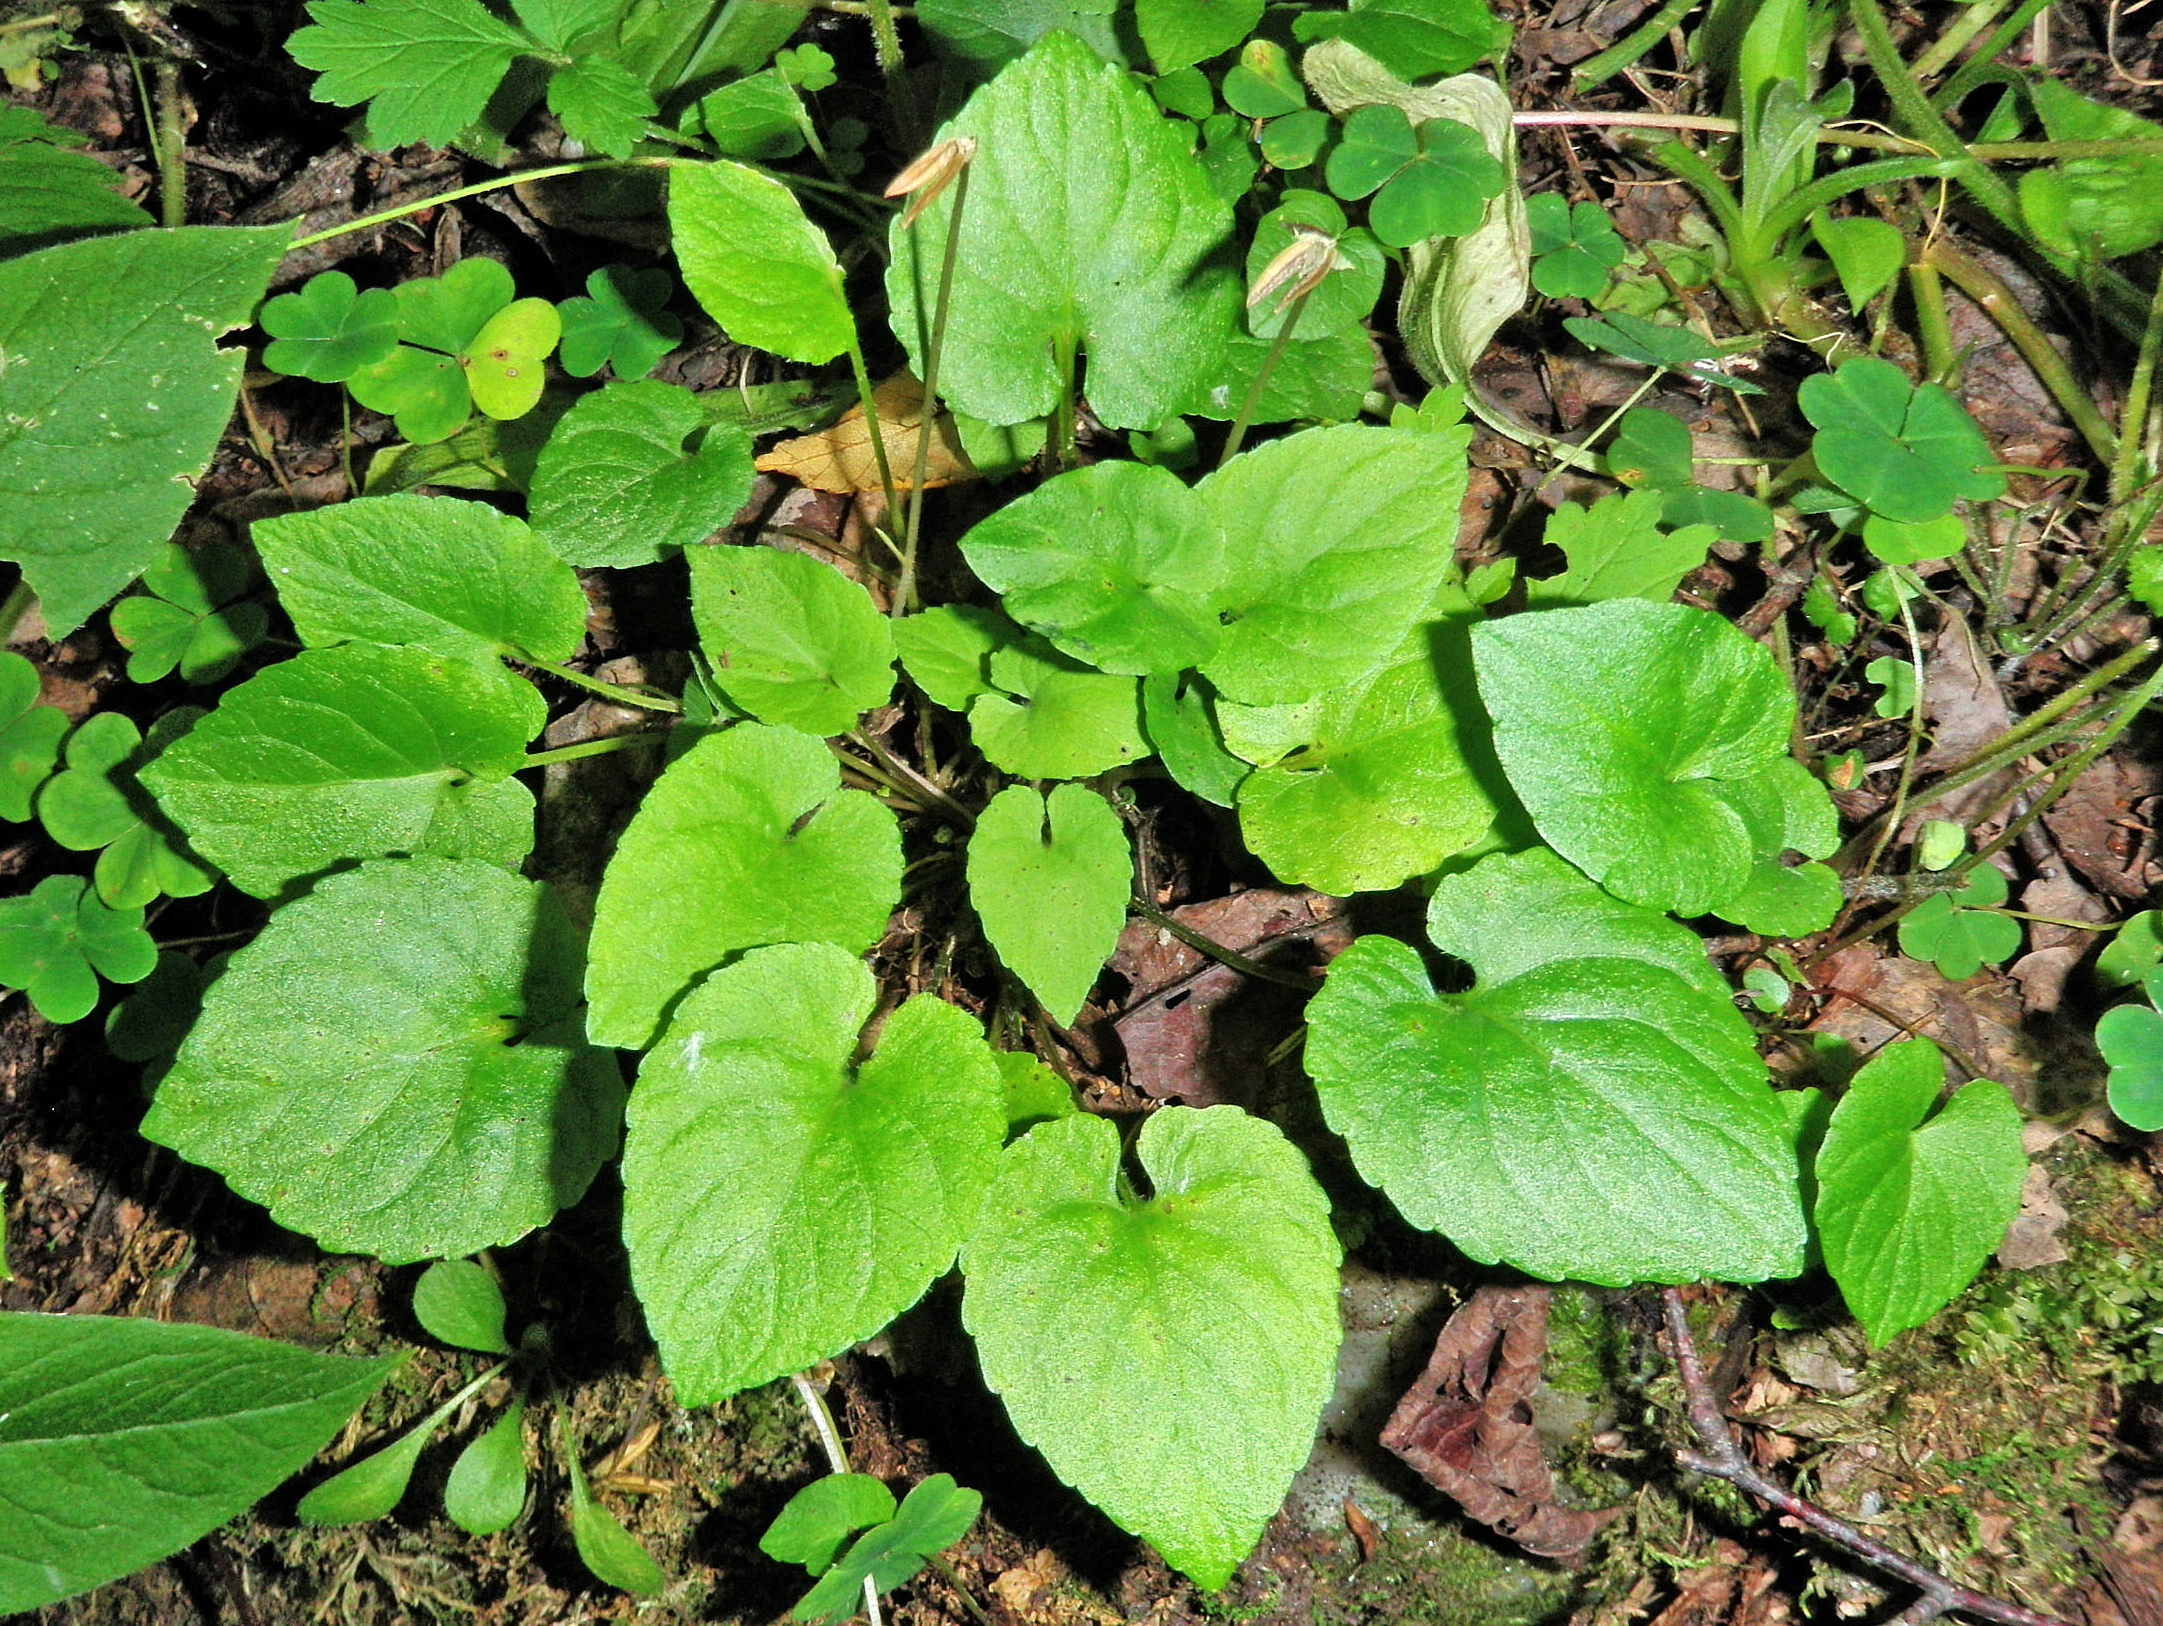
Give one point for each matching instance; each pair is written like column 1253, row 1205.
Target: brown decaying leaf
column 839, row 458
column 1466, row 1426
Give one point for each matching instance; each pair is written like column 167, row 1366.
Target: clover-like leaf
column 1634, row 733
column 2131, row 1039
column 30, row 735
column 1049, row 877
column 932, row 1517
column 95, row 802
column 426, row 67
column 748, row 838
column 349, row 752
column 1224, row 1283
column 817, row 1522
column 1912, row 1195
column 791, row 639
column 398, row 1065
column 1961, row 932
column 1121, row 258
column 636, row 471
column 1904, row 451
column 424, row 391
column 622, row 321
column 602, row 103
column 2132, row 952
column 1895, row 674
column 56, row 942
column 1617, row 549
column 1574, row 246
column 328, row 330
column 1591, row 1109
column 468, row 342
column 504, row 362
column 1118, row 565
column 781, row 1200
column 1433, row 181
column 1901, row 542
column 187, row 618
column 757, row 264
column 458, row 1302
column 1046, row 716
column 442, row 574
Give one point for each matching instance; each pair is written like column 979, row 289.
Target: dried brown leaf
column 840, row 458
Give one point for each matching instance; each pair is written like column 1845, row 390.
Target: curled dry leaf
column 839, row 458
column 1466, row 1426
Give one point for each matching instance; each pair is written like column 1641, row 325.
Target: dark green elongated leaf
column 601, row 103
column 1223, row 1286
column 457, row 1301
column 1617, row 549
column 760, row 268
column 1049, row 877
column 604, row 1546
column 1657, row 344
column 1179, row 33
column 1599, row 1117
column 49, row 192
column 1904, row 451
column 1914, row 1196
column 636, row 471
column 373, row 1487
column 1338, row 539
column 486, row 1490
column 791, row 639
column 1117, row 564
column 397, row 1065
column 444, row 574
column 935, row 1514
column 780, row 1202
column 110, row 407
column 748, row 838
column 1413, row 39
column 94, row 1414
column 347, row 752
column 1125, row 258
column 818, row 1520
column 1629, row 730
column 1045, row 716
column 426, row 67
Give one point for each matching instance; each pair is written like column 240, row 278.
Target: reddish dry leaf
column 2097, row 830
column 1466, row 1426
column 840, row 458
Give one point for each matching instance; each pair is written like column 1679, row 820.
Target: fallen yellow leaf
column 840, row 459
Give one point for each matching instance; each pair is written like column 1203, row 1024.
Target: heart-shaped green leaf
column 1046, row 716
column 1341, row 301
column 817, row 1522
column 791, row 640
column 1223, row 1284
column 1262, row 84
column 458, row 1302
column 397, row 1065
column 2131, row 1039
column 503, row 363
column 1617, row 549
column 1959, row 931
column 1049, row 877
column 782, row 1201
column 634, row 472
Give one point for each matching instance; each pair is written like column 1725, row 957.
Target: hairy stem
column 600, row 686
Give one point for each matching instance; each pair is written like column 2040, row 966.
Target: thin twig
column 1217, row 951
column 1721, row 1457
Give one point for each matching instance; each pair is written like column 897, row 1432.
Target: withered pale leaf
column 839, row 458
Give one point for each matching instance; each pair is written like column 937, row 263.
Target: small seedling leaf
column 818, row 1520
column 748, row 838
column 373, row 1487
column 634, row 472
column 1226, row 1278
column 486, row 1490
column 1895, row 674
column 611, row 1552
column 1866, row 254
column 459, row 1303
column 791, row 639
column 1912, row 1196
column 780, row 1201
column 935, row 1514
column 1651, row 448
column 758, row 265
column 1049, row 878
column 396, row 1065
column 1617, row 549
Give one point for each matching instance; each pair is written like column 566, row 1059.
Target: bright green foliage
column 1178, row 33
column 188, row 618
column 1895, row 674
column 57, row 940
column 1263, row 84
column 1617, row 549
column 1785, row 810
column 374, row 1486
column 2132, row 952
column 1181, row 718
column 780, row 1201
column 150, row 1023
column 791, row 639
column 1574, row 246
column 806, row 67
column 983, row 36
column 95, row 802
column 1413, row 39
column 1296, row 140
column 1315, row 380
column 1111, row 257
column 1345, row 296
column 2144, row 576
column 947, row 650
column 755, row 118
column 1381, row 779
column 757, row 265
column 1653, row 451
column 1822, row 606
column 29, row 736
column 1649, row 743
column 1866, row 253
column 1222, row 1286
column 2131, row 1039
column 1049, row 878
column 601, row 103
column 1903, row 451
column 2094, row 207
column 110, row 406
column 1898, row 542
column 1432, row 181
column 452, row 577
column 817, row 1522
column 604, row 1546
column 1590, row 1110
column 486, row 1490
column 341, row 753
column 48, row 192
column 1338, row 540
column 458, row 1302
column 621, row 321
column 1914, row 1196
column 932, row 1517
column 1657, row 344
column 1034, row 1093
column 1960, row 932
column 467, row 343
column 748, row 838
column 1118, row 564
column 426, row 67
column 396, row 1066
column 329, row 330
column 634, row 472
column 483, row 455
column 95, row 1414
column 1045, row 716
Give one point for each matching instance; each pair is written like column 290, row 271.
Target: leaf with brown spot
column 840, row 458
